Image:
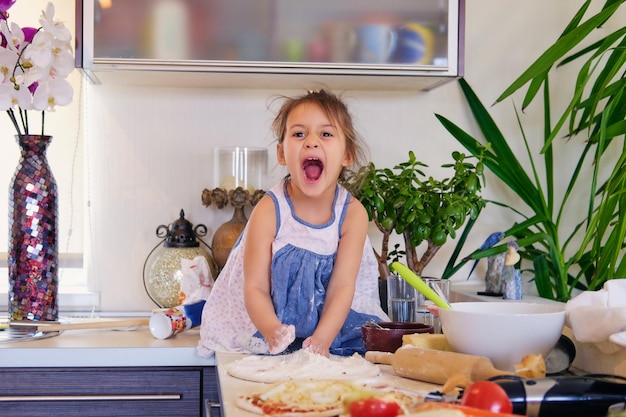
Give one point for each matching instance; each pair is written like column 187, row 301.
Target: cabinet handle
column 210, row 406
column 121, row 397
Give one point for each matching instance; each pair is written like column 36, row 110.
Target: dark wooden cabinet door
column 95, row 392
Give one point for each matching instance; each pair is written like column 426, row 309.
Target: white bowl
column 505, row 331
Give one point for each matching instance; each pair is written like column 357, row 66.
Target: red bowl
column 389, row 338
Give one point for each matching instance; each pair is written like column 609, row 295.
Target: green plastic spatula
column 419, row 284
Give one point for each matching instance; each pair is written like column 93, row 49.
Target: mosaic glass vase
column 33, row 236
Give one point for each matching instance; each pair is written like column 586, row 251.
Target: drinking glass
column 401, row 299
column 423, row 315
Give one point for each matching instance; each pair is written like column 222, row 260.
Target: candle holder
column 162, row 270
column 239, row 175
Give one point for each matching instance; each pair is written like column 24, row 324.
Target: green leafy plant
column 422, row 209
column 566, row 256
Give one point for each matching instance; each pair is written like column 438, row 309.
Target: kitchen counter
column 231, row 388
column 107, row 373
column 105, row 348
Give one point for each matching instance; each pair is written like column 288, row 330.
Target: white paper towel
column 594, row 316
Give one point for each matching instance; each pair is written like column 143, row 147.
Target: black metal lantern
column 162, row 270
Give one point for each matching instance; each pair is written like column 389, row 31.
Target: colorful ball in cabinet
column 415, row 44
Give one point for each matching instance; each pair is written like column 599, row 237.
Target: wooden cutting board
column 435, row 366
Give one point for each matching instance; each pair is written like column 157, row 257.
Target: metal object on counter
column 561, row 357
column 10, row 334
column 572, row 396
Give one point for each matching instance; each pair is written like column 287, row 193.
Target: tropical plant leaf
column 562, row 46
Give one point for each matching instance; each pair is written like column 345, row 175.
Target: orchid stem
column 11, row 114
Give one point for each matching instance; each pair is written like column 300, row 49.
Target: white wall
column 148, row 150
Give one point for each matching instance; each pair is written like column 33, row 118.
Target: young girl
column 303, row 273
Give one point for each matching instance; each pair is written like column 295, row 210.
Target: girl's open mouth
column 312, row 168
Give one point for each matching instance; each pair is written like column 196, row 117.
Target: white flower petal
column 22, row 98
column 57, row 92
column 47, row 60
column 6, row 97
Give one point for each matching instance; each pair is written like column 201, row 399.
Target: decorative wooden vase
column 226, row 236
column 33, row 235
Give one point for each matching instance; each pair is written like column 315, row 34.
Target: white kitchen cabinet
column 362, row 44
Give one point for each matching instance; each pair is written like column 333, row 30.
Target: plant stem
column 11, row 114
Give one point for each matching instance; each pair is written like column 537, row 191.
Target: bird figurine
column 488, row 243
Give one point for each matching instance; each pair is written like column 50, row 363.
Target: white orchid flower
column 62, row 59
column 42, row 63
column 8, row 59
column 55, row 92
column 14, row 36
column 40, row 50
column 6, row 98
column 56, row 28
column 15, row 97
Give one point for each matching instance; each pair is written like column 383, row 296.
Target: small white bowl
column 505, row 331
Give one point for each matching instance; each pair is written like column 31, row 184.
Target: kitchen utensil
column 374, row 324
column 435, row 366
column 55, row 327
column 572, row 396
column 420, row 285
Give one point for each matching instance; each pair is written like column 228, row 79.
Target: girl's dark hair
column 336, row 110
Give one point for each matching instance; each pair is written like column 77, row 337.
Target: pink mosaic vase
column 33, row 237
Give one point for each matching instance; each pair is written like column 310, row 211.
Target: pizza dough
column 321, row 397
column 301, row 364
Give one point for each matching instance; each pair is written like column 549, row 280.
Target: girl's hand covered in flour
column 315, row 345
column 282, row 338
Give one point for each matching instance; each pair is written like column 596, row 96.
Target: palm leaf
column 562, row 46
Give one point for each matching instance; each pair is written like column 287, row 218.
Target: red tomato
column 487, row 395
column 374, row 407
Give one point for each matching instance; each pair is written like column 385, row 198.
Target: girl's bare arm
column 341, row 287
column 261, row 229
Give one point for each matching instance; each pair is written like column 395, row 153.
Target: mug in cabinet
column 376, row 43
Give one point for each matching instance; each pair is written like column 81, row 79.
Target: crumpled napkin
column 594, row 316
column 197, row 280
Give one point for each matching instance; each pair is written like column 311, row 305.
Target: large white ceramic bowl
column 505, row 331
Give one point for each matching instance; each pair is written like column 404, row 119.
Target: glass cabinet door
column 397, row 37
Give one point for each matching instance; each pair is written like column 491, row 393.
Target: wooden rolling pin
column 435, row 366
column 55, row 327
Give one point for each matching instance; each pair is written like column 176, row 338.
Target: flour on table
column 301, row 364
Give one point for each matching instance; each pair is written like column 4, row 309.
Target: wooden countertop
column 231, row 388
